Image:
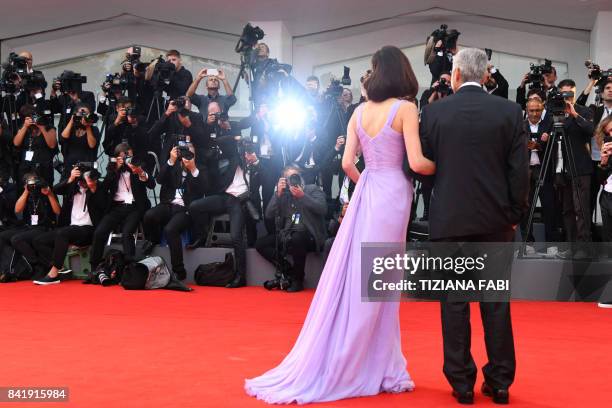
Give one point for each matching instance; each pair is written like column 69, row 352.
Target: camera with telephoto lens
column 180, row 103
column 535, row 77
column 35, row 184
column 131, row 112
column 294, row 180
column 134, row 56
column 115, row 83
column 71, row 82
column 163, row 73
column 34, row 80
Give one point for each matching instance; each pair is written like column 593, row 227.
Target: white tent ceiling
column 24, row 17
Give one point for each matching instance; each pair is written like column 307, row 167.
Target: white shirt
column 471, row 84
column 124, row 192
column 79, row 215
column 238, row 185
column 534, row 160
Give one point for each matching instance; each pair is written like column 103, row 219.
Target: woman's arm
column 410, row 125
column 350, row 151
column 68, row 129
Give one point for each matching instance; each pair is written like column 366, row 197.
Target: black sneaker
column 605, row 305
column 296, row 286
column 47, row 280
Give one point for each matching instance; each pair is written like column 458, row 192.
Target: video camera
column 336, row 86
column 16, row 67
column 70, row 81
column 556, row 103
column 164, row 71
column 248, row 39
column 602, row 77
column 448, row 38
column 536, row 74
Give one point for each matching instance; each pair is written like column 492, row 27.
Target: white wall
column 312, row 51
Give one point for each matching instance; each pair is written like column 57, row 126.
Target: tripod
column 157, row 95
column 557, row 140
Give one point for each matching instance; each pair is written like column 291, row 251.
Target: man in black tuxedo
column 479, row 145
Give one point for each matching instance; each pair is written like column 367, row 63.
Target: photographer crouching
column 300, row 213
column 82, row 209
column 126, row 184
column 181, row 183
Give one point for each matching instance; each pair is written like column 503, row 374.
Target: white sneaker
column 605, row 305
column 530, row 250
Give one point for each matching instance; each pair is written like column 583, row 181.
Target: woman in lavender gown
column 349, row 348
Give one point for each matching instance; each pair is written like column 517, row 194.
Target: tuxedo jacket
column 171, row 179
column 479, row 144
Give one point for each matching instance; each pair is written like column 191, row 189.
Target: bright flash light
column 289, row 115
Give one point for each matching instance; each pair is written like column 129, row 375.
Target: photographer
column 575, row 192
column 599, row 114
column 179, row 79
column 179, row 120
column 231, row 193
column 603, row 135
column 495, row 83
column 36, row 141
column 66, row 93
column 127, row 127
column 83, row 208
column 439, row 51
column 439, row 89
column 544, row 78
column 125, row 184
column 301, row 210
column 80, row 138
column 212, row 86
column 539, row 130
column 181, row 182
column 39, row 208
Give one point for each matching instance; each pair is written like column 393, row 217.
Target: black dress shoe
column 296, row 286
column 499, row 396
column 180, row 274
column 238, row 281
column 466, row 398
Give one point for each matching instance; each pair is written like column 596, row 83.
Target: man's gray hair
column 472, row 64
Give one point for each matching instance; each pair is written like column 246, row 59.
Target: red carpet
column 115, row 348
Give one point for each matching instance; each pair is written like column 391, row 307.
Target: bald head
column 28, row 56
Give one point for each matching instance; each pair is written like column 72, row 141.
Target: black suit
column 479, row 144
column 123, row 215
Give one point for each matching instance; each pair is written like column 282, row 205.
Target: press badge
column 34, row 219
column 29, row 155
column 68, row 110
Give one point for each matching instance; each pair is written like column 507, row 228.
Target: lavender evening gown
column 349, row 348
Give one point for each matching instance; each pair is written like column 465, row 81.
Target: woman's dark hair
column 392, row 76
column 27, row 110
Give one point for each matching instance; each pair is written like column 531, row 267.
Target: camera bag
column 216, row 273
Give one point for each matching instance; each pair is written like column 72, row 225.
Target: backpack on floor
column 14, row 267
column 151, row 273
column 216, row 273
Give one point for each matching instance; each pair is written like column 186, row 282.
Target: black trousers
column 201, row 211
column 459, row 366
column 299, row 245
column 52, row 246
column 271, row 170
column 124, row 218
column 172, row 220
column 22, row 240
column 576, row 197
